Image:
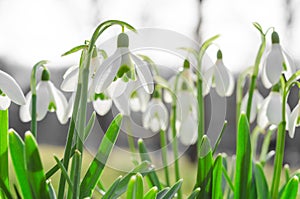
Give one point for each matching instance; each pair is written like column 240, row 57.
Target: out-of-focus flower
column 271, row 111
column 220, row 77
column 123, row 65
column 156, row 115
column 294, row 120
column 277, row 62
column 49, row 98
column 256, row 104
column 9, row 91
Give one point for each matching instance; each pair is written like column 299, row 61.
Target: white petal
column 106, row 72
column 264, row 77
column 116, row 88
column 188, row 131
column 274, row 66
column 223, row 79
column 274, row 108
column 69, row 109
column 69, row 70
column 122, row 102
column 144, row 98
column 4, row 102
column 43, row 99
column 10, row 87
column 102, row 106
column 144, row 74
column 207, row 80
column 25, row 112
column 154, row 124
column 135, row 104
column 60, row 103
column 167, row 95
column 256, row 103
column 70, row 81
column 262, row 119
column 158, row 112
column 291, row 67
column 293, row 121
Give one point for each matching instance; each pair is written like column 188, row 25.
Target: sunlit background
column 35, row 30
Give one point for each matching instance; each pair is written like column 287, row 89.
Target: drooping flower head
column 122, row 65
column 220, row 77
column 277, row 62
column 294, row 120
column 9, row 91
column 49, row 98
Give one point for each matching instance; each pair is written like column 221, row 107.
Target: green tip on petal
column 219, row 54
column 186, row 64
column 123, row 40
column 94, row 52
column 45, row 75
column 156, row 94
column 275, row 38
column 276, row 87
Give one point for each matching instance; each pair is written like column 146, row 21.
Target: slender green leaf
column 18, row 194
column 173, row 190
column 135, row 187
column 5, row 190
column 220, row 137
column 286, row 172
column 243, row 172
column 154, row 181
column 89, row 126
column 94, row 172
column 17, row 152
column 194, row 194
column 112, row 189
column 162, row 193
column 143, row 168
column 35, row 171
column 4, row 148
column 64, row 171
column 265, row 146
column 291, row 189
column 75, row 49
column 151, row 194
column 205, row 168
column 217, row 192
column 51, row 190
column 261, row 182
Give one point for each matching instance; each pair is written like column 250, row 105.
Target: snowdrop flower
column 49, row 98
column 9, row 91
column 271, row 111
column 277, row 62
column 70, row 78
column 218, row 76
column 185, row 82
column 187, row 117
column 256, row 104
column 102, row 104
column 294, row 120
column 139, row 100
column 122, row 65
column 156, row 116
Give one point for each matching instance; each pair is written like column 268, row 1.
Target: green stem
column 254, row 75
column 33, row 96
column 67, row 153
column 4, row 175
column 164, row 154
column 174, row 136
column 131, row 144
column 279, row 153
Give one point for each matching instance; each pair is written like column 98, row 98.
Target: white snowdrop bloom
column 294, row 120
column 102, row 104
column 139, row 100
column 9, row 91
column 271, row 111
column 49, row 98
column 256, row 104
column 124, row 65
column 184, row 81
column 70, row 78
column 277, row 62
column 156, row 115
column 188, row 132
column 220, row 77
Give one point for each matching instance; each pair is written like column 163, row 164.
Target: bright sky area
column 33, row 30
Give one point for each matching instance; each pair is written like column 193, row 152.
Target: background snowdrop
column 294, row 120
column 277, row 62
column 256, row 104
column 220, row 77
column 9, row 91
column 49, row 98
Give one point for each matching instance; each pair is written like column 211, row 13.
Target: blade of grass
column 64, row 171
column 89, row 125
column 51, row 190
column 112, row 188
column 194, row 194
column 205, row 168
column 18, row 195
column 152, row 193
column 17, row 152
column 135, row 187
column 243, row 170
column 217, row 192
column 4, row 148
column 265, row 146
column 95, row 169
column 173, row 190
column 35, row 171
column 261, row 182
column 291, row 189
column 145, row 157
column 220, row 137
column 5, row 190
